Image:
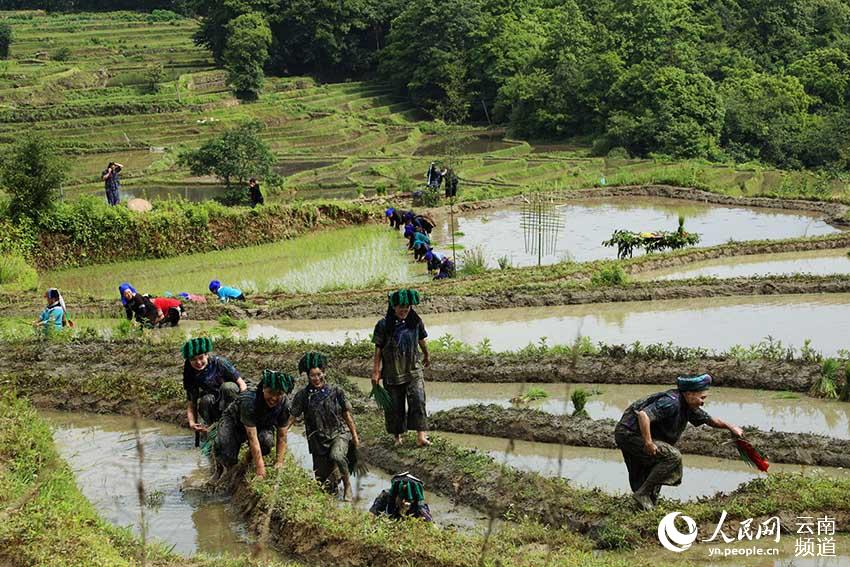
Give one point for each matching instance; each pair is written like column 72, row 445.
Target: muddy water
column 101, row 450
column 765, row 410
column 714, row 323
column 194, row 193
column 604, row 468
column 480, row 144
column 587, row 223
column 816, row 262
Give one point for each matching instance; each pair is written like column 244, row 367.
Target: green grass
column 345, row 258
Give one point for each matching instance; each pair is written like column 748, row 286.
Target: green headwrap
column 278, row 381
column 404, row 297
column 312, row 360
column 196, row 346
column 408, row 487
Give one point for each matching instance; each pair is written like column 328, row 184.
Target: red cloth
column 165, row 303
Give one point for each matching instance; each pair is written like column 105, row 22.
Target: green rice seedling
column 504, row 262
column 825, row 385
column 228, row 321
column 579, row 400
column 473, row 262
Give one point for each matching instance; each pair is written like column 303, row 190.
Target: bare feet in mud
column 644, row 501
column 398, row 441
column 422, row 441
column 346, row 495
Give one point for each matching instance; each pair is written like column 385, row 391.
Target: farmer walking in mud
column 398, row 339
column 649, row 429
column 259, row 417
column 211, row 382
column 328, row 424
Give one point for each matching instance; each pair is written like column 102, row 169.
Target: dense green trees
column 744, row 79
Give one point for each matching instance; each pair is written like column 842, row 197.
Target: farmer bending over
column 255, row 417
column 211, row 383
column 405, row 498
column 649, row 429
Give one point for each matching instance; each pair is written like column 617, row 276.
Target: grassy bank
column 46, row 521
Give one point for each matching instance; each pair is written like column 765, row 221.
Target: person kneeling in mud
column 255, row 417
column 398, row 338
column 405, row 498
column 211, row 383
column 649, row 429
column 328, row 423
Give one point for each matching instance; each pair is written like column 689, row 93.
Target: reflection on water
column 714, row 323
column 587, row 223
column 193, row 193
column 604, row 468
column 816, row 262
column 765, row 410
column 101, row 449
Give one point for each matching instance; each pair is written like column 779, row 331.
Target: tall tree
column 5, row 39
column 245, row 53
column 32, row 176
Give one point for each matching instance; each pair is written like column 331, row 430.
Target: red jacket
column 166, row 303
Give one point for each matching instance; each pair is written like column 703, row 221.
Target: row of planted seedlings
column 470, row 477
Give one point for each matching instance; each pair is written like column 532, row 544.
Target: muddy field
column 530, row 425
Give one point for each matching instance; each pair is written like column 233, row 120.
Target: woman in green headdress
column 255, row 417
column 328, row 423
column 399, row 337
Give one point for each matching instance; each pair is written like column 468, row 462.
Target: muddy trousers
column 408, row 410
column 326, row 460
column 649, row 473
column 230, row 436
column 211, row 407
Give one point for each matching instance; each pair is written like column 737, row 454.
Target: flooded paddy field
column 713, row 323
column 586, row 223
column 766, row 410
column 101, row 449
column 335, row 259
column 604, row 468
column 815, row 262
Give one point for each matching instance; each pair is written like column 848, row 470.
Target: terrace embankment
column 531, row 425
column 471, row 477
column 162, row 360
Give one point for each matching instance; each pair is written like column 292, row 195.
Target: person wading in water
column 328, row 423
column 211, row 382
column 398, row 339
column 255, row 417
column 649, row 429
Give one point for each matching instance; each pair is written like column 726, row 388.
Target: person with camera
column 112, row 182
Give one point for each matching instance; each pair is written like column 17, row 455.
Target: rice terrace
column 457, row 283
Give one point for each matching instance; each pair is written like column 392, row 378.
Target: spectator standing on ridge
column 112, row 182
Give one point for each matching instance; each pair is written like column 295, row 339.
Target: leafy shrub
column 62, row 54
column 31, row 175
column 6, row 36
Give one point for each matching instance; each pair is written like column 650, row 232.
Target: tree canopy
column 749, row 79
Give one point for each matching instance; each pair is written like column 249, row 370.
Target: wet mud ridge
column 161, row 360
column 762, row 374
column 373, row 303
column 532, row 425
